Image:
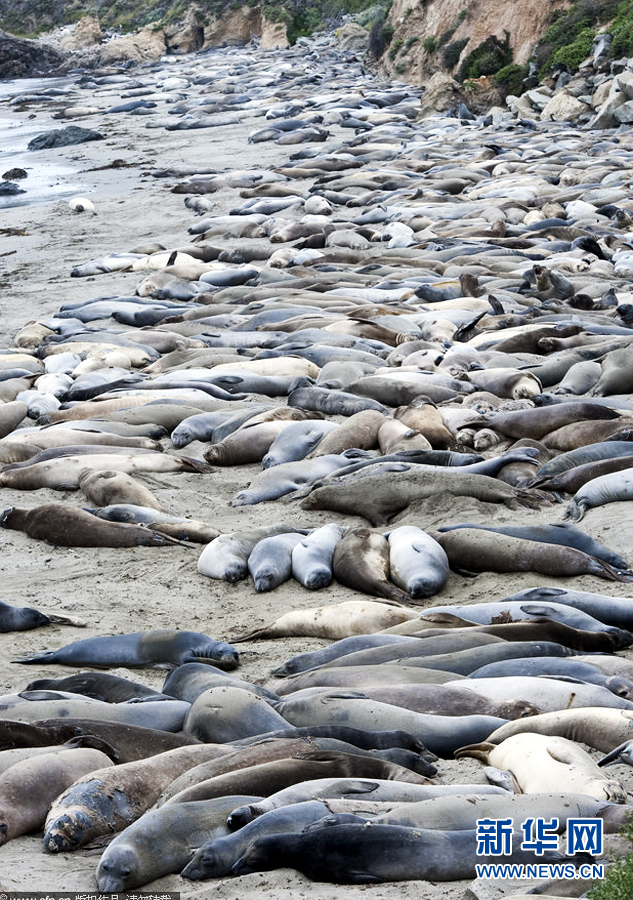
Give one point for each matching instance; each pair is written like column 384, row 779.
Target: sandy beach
column 118, row 591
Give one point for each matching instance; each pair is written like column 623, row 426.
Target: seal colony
column 338, row 367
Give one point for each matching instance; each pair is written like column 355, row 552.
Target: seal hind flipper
column 478, row 751
column 44, row 656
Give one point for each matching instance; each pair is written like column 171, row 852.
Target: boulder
column 63, row 137
column 442, row 93
column 146, row 44
column 353, row 37
column 85, row 33
column 563, row 107
column 27, row 59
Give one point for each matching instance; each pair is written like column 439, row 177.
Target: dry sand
column 118, row 591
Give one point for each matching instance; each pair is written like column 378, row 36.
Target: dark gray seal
column 161, row 648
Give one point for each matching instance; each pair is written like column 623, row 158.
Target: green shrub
column 573, row 54
column 511, row 78
column 452, row 52
column 486, row 59
column 429, row 44
column 395, row 48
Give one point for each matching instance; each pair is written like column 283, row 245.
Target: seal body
column 162, row 648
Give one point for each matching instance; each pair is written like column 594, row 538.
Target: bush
column 486, row 59
column 573, row 54
column 429, row 44
column 511, row 78
column 396, row 48
column 452, row 52
column 379, row 38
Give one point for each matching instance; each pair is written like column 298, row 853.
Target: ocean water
column 48, row 177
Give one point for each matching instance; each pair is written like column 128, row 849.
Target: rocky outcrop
column 27, row 59
column 437, row 35
column 352, row 37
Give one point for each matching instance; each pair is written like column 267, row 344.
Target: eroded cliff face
column 452, row 21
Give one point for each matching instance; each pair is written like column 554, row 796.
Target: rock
column 146, row 44
column 520, row 106
column 274, row 35
column 27, row 59
column 64, row 137
column 186, row 35
column 14, row 174
column 235, row 28
column 86, row 33
column 600, row 49
column 600, row 94
column 442, row 93
column 624, row 113
column 8, row 188
column 605, row 114
column 481, row 889
column 353, row 37
column 563, row 107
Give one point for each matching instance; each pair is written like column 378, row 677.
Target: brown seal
column 105, row 487
column 28, row 788
column 361, row 561
column 66, row 526
column 475, row 550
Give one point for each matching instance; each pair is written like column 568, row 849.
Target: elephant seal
column 440, row 734
column 458, row 811
column 312, row 556
column 105, row 487
column 380, row 497
column 296, row 441
column 216, row 857
column 612, row 488
column 127, row 742
column 99, row 686
column 270, row 561
column 558, row 533
column 226, row 557
column 361, row 561
column 274, row 775
column 108, row 800
column 375, row 789
column 386, row 853
column 601, row 728
column 162, row 648
column 189, row 680
column 418, row 564
column 514, row 611
column 336, row 621
column 131, row 860
column 541, row 763
column 360, row 430
column 28, row 788
column 548, row 693
column 479, row 550
column 67, row 526
column 223, row 714
column 23, row 618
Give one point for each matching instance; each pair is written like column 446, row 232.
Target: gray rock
column 64, row 137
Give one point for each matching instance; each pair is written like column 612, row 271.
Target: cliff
column 438, row 35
